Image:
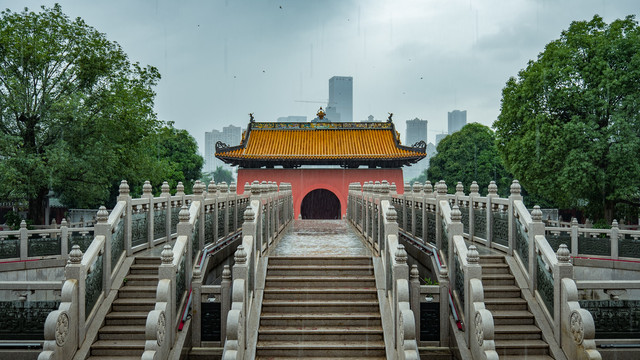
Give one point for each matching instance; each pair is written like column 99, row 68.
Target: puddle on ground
column 320, row 238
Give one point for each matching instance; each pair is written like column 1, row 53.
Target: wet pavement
column 320, row 238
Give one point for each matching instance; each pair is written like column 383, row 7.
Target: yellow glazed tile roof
column 320, row 144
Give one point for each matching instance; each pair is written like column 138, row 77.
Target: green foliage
column 469, row 155
column 75, row 114
column 177, row 158
column 221, row 174
column 569, row 127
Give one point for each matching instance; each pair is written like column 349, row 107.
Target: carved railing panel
column 9, row 248
column 629, row 246
column 174, row 219
column 139, row 228
column 82, row 239
column 181, row 282
column 614, row 319
column 465, row 218
column 588, row 245
column 544, row 283
column 24, row 320
column 208, row 227
column 522, row 243
column 556, row 238
column 93, row 285
column 500, row 227
column 444, row 239
column 480, row 223
column 43, row 246
column 431, row 227
column 117, row 244
column 159, row 223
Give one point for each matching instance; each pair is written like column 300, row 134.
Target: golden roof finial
column 321, row 113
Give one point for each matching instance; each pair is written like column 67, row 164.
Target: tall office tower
column 416, row 131
column 457, row 120
column 230, row 135
column 341, row 96
column 439, row 137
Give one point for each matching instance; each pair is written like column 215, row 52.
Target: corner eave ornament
column 389, row 119
column 251, row 119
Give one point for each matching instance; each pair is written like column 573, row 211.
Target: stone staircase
column 122, row 336
column 320, row 307
column 516, row 334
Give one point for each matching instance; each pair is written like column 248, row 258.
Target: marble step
column 319, row 260
column 114, row 348
column 356, row 349
column 495, row 268
column 521, row 347
column 150, row 269
column 130, row 332
column 515, row 332
column 319, row 270
column 501, row 291
column 319, row 281
column 320, row 319
column 512, row 317
column 498, row 280
column 514, row 303
column 137, row 291
column 344, row 333
column 122, row 318
column 133, row 304
column 321, row 293
column 327, row 306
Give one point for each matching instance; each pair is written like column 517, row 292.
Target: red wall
column 304, row 181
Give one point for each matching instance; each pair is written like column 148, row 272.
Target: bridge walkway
column 320, row 296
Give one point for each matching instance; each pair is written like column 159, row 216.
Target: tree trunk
column 609, row 210
column 38, row 206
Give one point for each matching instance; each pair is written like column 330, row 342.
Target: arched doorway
column 320, row 204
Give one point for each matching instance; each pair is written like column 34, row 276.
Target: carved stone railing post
column 615, row 233
column 167, row 271
column 577, row 326
column 492, row 193
column 24, row 240
column 103, row 228
column 147, row 193
column 574, row 236
column 64, row 239
column 563, row 269
column 225, row 305
column 166, row 194
column 473, row 194
column 185, row 228
column 74, row 271
column 196, row 307
column 414, row 292
column 61, row 326
column 124, row 196
column 535, row 228
column 515, row 195
column 473, row 271
column 445, row 311
column 441, row 194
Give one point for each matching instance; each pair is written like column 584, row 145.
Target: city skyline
column 221, row 60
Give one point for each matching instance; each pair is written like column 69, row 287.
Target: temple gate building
column 320, row 160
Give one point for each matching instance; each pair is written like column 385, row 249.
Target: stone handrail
column 578, row 328
column 268, row 212
column 61, row 337
column 481, row 328
column 371, row 212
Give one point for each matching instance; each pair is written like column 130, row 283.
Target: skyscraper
column 457, row 120
column 341, row 96
column 416, row 131
column 230, row 135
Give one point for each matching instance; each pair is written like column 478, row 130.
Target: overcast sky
column 222, row 59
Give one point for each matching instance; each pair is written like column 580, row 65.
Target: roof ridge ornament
column 251, row 119
column 390, row 118
column 321, row 114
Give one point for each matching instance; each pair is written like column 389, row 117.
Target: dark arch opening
column 320, row 204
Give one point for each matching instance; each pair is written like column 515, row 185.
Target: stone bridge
column 221, row 274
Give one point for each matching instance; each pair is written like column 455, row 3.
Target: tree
column 177, row 154
column 221, row 174
column 569, row 126
column 469, row 155
column 74, row 112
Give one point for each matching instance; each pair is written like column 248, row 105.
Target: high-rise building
column 292, row 118
column 439, row 138
column 457, row 120
column 229, row 135
column 416, row 131
column 341, row 97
